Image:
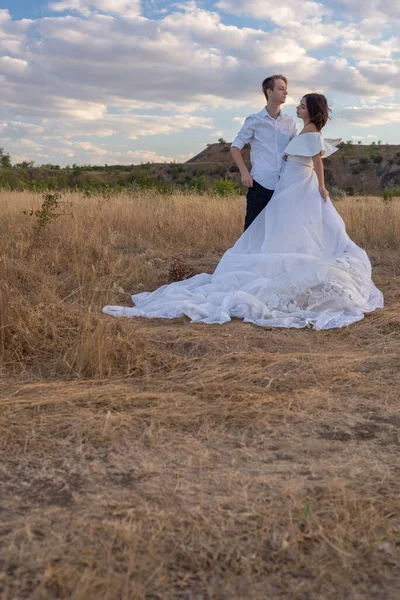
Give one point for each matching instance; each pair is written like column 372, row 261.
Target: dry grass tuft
column 160, row 459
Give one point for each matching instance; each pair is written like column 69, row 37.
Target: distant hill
column 355, row 168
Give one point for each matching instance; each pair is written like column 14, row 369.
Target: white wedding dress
column 295, row 266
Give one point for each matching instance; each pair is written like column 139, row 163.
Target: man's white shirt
column 268, row 138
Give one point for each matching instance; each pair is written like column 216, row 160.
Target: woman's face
column 302, row 111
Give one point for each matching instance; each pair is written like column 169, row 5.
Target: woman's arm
column 319, row 170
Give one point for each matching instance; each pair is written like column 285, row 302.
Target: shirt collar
column 265, row 113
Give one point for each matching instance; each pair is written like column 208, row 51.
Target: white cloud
column 19, row 158
column 30, row 144
column 89, row 147
column 30, row 128
column 382, row 73
column 139, row 156
column 104, row 71
column 12, row 33
column 371, row 136
column 360, row 49
column 370, row 8
column 372, row 115
column 144, row 125
column 85, row 7
column 189, row 58
column 283, row 13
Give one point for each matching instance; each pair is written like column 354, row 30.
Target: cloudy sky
column 126, row 81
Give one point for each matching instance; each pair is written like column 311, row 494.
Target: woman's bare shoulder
column 310, row 128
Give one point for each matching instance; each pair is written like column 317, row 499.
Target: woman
column 295, row 266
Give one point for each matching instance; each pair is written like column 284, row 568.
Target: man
column 268, row 133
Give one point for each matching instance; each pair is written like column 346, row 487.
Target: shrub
column 198, row 184
column 219, row 170
column 142, row 179
column 390, row 193
column 364, row 163
column 337, row 193
column 177, row 168
column 225, row 187
column 50, row 210
column 5, row 160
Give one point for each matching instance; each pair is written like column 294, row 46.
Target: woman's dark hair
column 318, row 109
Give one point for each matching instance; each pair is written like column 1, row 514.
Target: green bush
column 177, row 168
column 390, row 193
column 225, row 187
column 364, row 163
column 142, row 179
column 197, row 184
column 219, row 170
column 337, row 193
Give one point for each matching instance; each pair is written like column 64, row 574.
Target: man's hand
column 247, row 180
column 324, row 192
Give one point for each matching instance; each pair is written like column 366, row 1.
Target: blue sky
column 124, row 81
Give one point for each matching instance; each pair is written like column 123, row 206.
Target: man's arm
column 243, row 137
column 247, row 180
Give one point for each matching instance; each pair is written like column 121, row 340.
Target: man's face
column 279, row 93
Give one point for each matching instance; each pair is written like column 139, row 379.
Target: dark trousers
column 257, row 199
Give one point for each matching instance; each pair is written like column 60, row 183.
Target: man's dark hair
column 269, row 83
column 318, row 109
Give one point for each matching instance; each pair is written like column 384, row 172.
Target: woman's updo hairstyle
column 318, row 109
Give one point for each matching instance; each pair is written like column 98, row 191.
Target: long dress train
column 295, row 266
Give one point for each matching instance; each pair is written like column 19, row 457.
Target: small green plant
column 390, row 193
column 307, row 512
column 49, row 211
column 337, row 193
column 387, row 196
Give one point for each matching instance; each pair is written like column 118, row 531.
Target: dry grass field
column 160, row 460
